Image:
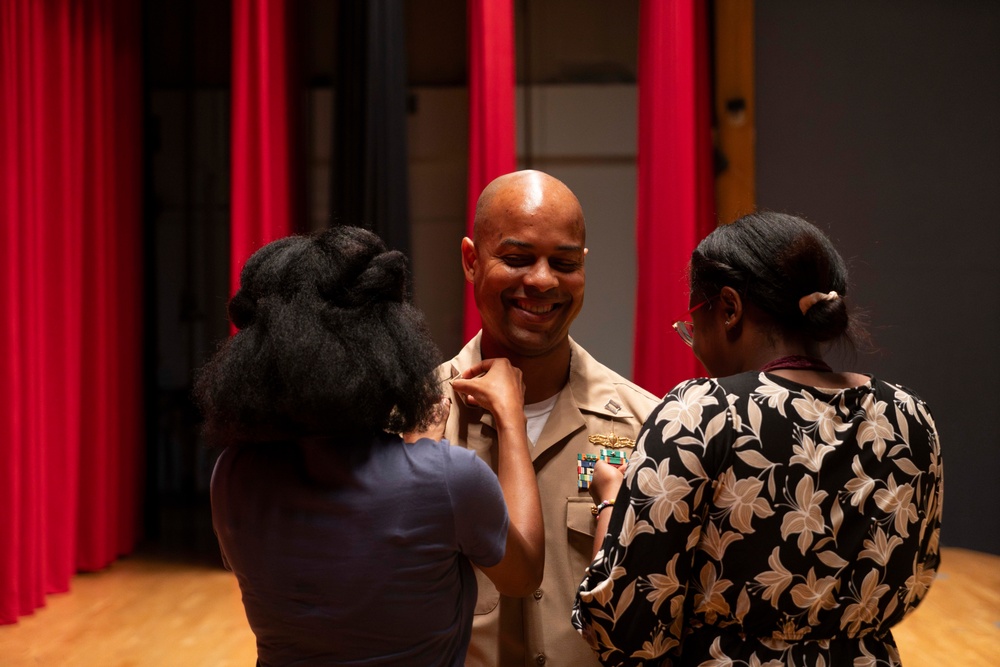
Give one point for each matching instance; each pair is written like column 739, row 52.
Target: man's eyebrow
column 527, row 246
column 516, row 243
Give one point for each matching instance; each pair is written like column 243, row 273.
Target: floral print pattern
column 764, row 523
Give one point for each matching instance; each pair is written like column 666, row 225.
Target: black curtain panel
column 369, row 186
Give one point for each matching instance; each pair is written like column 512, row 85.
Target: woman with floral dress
column 779, row 513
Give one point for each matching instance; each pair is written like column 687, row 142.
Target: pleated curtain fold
column 675, row 206
column 70, row 293
column 261, row 188
column 492, row 128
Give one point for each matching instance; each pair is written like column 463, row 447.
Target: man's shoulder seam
column 619, row 380
column 636, row 389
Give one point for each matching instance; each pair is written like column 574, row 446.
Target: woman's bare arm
column 496, row 386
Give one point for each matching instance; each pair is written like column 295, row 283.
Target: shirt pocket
column 580, row 528
column 579, row 518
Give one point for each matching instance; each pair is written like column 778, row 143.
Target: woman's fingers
column 607, row 481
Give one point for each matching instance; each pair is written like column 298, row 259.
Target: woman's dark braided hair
column 327, row 346
column 773, row 260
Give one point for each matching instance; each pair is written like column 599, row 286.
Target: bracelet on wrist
column 603, row 505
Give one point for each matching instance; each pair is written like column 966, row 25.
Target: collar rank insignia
column 612, row 440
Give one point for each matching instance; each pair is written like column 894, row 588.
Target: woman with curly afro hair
column 351, row 543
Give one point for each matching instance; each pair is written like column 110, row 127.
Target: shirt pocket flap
column 578, row 516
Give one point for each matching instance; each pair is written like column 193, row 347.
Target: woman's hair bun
column 359, row 270
column 384, row 279
column 826, row 319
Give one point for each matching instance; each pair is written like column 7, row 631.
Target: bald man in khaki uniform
column 526, row 263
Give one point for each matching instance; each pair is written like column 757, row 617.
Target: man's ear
column 732, row 306
column 469, row 259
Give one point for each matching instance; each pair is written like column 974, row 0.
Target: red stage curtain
column 675, row 206
column 70, row 302
column 492, row 138
column 261, row 202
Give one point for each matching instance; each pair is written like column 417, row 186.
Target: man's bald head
column 526, row 265
column 528, row 192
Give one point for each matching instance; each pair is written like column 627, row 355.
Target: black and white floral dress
column 764, row 523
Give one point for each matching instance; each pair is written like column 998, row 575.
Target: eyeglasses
column 685, row 328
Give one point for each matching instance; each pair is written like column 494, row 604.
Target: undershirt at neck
column 537, row 414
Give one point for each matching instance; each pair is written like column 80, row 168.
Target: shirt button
column 540, row 658
column 538, row 596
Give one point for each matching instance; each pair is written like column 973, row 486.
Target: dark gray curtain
column 370, row 166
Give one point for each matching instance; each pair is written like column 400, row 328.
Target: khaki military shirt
column 596, row 401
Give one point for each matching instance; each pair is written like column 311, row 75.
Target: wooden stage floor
column 146, row 611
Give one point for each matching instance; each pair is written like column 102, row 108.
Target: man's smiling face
column 527, row 266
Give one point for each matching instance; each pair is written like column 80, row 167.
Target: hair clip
column 810, row 300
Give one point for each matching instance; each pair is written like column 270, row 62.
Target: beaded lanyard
column 796, row 362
